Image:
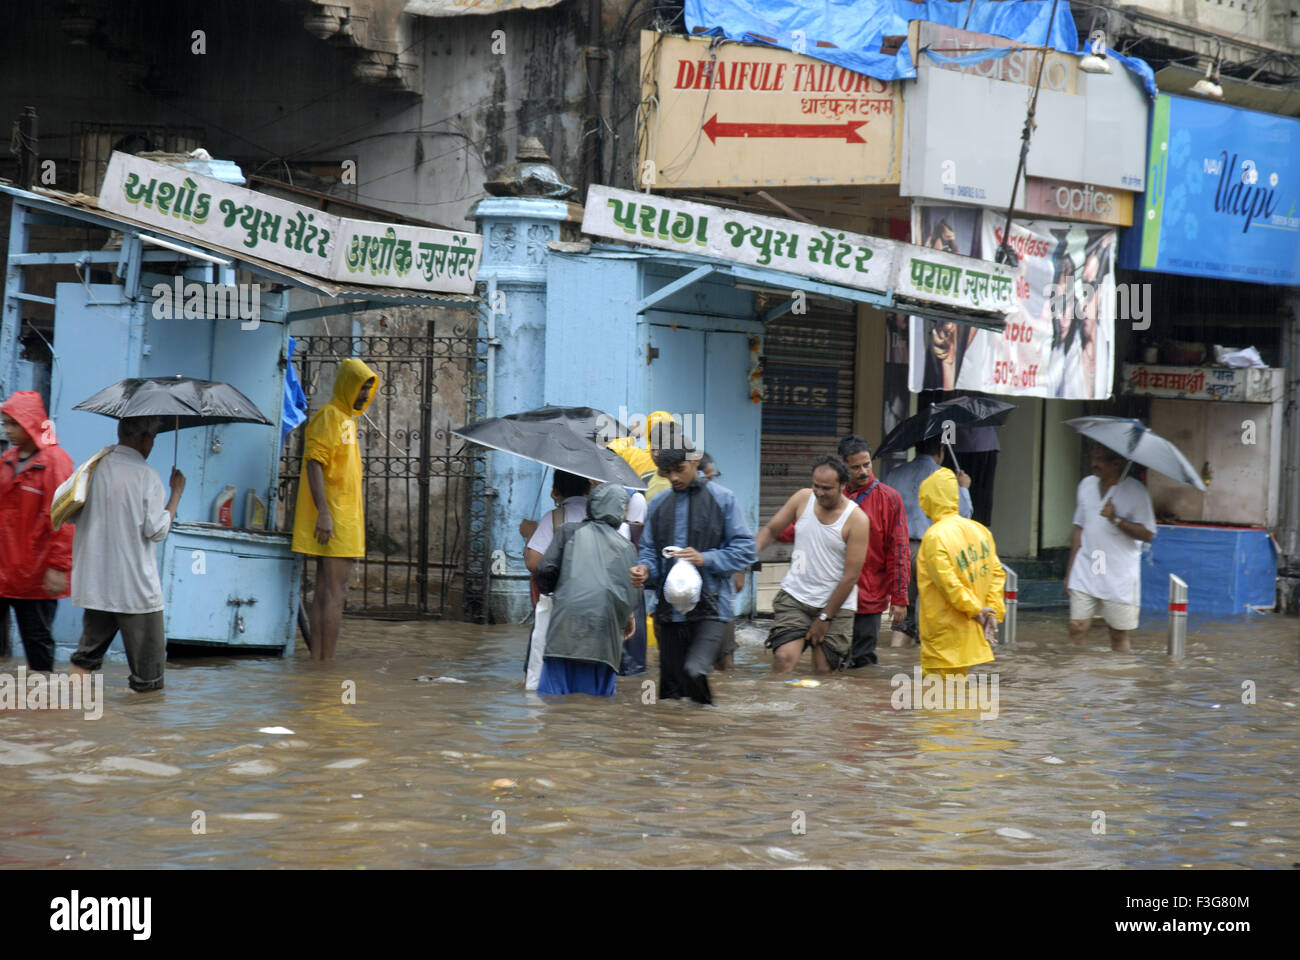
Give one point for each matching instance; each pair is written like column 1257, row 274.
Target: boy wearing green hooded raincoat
column 329, row 520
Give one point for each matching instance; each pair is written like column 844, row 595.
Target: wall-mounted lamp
column 1208, row 85
column 1095, row 61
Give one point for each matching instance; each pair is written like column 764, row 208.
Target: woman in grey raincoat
column 586, row 568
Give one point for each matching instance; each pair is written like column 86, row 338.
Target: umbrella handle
column 176, row 443
column 1106, row 499
column 953, row 454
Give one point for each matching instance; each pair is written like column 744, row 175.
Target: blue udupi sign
column 1223, row 194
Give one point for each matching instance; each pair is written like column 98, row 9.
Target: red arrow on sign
column 849, row 130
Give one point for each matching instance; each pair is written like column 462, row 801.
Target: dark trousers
column 634, row 646
column 143, row 636
column 981, row 467
column 687, row 652
column 909, row 625
column 866, row 631
column 35, row 620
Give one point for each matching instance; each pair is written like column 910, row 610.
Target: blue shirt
column 907, row 479
column 736, row 552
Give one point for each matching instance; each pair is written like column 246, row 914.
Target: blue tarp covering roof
column 849, row 32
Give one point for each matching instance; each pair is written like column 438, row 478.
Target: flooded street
column 1184, row 772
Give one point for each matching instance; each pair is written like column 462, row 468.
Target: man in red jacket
column 35, row 560
column 888, row 567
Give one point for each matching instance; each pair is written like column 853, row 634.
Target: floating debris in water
column 1238, row 823
column 279, row 731
column 802, row 683
column 543, row 782
column 1014, row 833
column 252, row 768
column 347, row 764
column 503, row 783
column 782, row 854
column 430, row 678
column 1053, row 760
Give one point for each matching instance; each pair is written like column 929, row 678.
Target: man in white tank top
column 818, row 597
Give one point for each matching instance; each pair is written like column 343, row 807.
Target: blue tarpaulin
column 1227, row 569
column 849, row 32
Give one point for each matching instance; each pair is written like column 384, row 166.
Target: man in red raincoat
column 35, row 560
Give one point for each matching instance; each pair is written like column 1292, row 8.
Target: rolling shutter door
column 808, row 379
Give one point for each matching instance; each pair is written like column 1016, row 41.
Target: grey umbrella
column 180, row 401
column 553, row 444
column 1136, row 441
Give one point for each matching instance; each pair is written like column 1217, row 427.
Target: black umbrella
column 180, row 401
column 960, row 412
column 552, row 443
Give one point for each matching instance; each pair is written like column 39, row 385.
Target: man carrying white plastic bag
column 702, row 521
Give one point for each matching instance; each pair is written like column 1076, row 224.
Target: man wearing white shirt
column 114, row 569
column 1104, row 575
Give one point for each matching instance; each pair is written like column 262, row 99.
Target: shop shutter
column 808, row 379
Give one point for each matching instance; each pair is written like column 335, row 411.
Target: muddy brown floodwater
column 1185, row 773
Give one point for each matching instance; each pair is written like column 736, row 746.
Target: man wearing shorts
column 818, row 597
column 1111, row 522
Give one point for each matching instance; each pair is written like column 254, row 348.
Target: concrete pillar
column 516, row 231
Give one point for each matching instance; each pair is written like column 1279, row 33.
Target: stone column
column 517, row 224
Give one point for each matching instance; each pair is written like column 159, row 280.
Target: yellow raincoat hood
column 938, row 495
column 349, row 380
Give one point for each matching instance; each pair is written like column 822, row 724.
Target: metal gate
column 425, row 490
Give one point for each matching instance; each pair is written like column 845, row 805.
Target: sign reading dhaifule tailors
column 749, row 115
column 299, row 237
column 921, row 274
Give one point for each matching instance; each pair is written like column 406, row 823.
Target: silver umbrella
column 1135, row 440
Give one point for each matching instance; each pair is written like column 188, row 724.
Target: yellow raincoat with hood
column 331, row 440
column 958, row 574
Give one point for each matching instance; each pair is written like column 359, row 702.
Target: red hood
column 26, row 407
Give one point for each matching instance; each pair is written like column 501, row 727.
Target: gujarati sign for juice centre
column 279, row 231
column 920, row 275
column 741, row 115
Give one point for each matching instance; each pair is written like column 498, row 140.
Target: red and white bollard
column 1177, row 617
column 1009, row 594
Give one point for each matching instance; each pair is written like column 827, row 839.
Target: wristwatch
column 823, row 618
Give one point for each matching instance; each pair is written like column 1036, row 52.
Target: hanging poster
column 1059, row 339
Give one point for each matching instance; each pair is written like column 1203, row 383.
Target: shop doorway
column 425, row 490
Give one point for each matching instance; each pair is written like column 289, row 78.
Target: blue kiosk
column 236, row 586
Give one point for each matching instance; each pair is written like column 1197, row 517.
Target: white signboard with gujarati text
column 395, row 255
column 296, row 236
column 653, row 220
column 926, row 276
